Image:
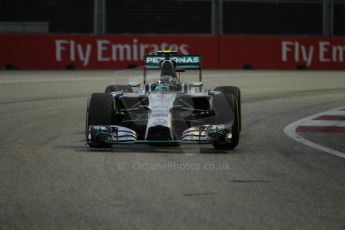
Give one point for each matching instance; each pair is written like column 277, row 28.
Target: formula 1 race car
column 169, row 111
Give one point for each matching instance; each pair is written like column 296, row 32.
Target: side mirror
column 196, row 84
column 133, row 84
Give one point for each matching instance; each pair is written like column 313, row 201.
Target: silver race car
column 169, row 111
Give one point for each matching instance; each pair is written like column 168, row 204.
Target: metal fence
column 247, row 17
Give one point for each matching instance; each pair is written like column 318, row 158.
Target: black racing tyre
column 233, row 90
column 223, row 144
column 114, row 88
column 100, row 111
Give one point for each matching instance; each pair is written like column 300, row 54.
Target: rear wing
column 183, row 62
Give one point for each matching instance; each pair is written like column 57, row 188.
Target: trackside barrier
column 23, row 51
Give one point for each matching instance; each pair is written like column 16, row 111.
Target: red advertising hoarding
column 281, row 52
column 97, row 52
column 120, row 51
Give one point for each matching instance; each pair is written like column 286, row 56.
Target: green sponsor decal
column 187, row 61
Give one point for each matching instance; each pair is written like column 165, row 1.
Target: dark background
column 248, row 17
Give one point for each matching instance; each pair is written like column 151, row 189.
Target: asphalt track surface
column 51, row 180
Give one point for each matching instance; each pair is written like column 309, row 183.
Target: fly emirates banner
column 119, row 52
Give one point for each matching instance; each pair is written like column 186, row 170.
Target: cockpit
column 168, row 80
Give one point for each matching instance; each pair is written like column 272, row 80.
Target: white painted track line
column 290, row 131
column 324, row 123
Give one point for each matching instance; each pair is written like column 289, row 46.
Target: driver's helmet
column 168, row 67
column 168, row 79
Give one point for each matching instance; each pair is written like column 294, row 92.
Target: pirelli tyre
column 225, row 114
column 100, row 111
column 115, row 88
column 235, row 91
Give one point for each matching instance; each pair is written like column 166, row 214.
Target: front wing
column 113, row 134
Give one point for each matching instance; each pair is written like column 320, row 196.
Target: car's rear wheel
column 114, row 88
column 100, row 111
column 235, row 91
column 225, row 143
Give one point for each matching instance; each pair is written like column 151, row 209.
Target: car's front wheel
column 235, row 91
column 100, row 111
column 225, row 142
